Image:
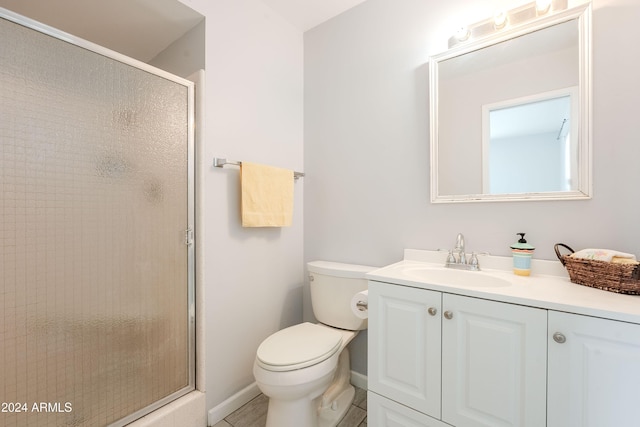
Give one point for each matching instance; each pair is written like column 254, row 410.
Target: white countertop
column 548, row 286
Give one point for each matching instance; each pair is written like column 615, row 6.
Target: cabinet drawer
column 383, row 412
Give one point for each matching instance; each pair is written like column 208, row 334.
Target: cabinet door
column 383, row 412
column 404, row 345
column 594, row 372
column 493, row 363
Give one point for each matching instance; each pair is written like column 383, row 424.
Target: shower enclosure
column 96, row 230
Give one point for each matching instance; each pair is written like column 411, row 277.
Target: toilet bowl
column 304, row 369
column 296, row 390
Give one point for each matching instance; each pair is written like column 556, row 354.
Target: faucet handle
column 450, row 258
column 473, row 263
column 474, row 259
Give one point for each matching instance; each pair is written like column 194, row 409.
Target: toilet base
column 322, row 406
column 337, row 399
column 301, row 413
column 331, row 415
column 282, row 413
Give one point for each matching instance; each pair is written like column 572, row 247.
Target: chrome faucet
column 462, row 257
column 461, row 263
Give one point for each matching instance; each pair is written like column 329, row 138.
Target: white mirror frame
column 580, row 13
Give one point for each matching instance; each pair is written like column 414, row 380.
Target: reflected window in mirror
column 525, row 136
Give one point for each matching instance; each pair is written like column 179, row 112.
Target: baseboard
column 359, row 380
column 219, row 412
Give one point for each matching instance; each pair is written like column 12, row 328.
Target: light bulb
column 500, row 19
column 462, row 33
column 543, row 6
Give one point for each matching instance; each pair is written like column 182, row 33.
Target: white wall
column 252, row 277
column 367, row 142
column 515, row 164
column 186, row 55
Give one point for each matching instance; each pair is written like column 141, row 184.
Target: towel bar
column 219, row 162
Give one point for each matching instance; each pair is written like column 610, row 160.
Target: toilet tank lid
column 338, row 269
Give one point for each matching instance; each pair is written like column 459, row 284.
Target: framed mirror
column 510, row 113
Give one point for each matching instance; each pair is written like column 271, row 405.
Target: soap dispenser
column 522, row 254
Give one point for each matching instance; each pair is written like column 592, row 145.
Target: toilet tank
column 332, row 285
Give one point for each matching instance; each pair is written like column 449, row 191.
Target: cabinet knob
column 432, row 311
column 559, row 338
column 448, row 315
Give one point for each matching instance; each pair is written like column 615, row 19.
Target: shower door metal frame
column 190, row 231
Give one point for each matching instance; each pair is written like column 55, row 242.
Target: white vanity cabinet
column 462, row 360
column 465, row 349
column 594, row 372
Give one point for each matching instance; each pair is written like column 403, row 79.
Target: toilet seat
column 298, row 347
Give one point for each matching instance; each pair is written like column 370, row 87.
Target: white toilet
column 304, row 369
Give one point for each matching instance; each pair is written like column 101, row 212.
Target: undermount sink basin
column 443, row 276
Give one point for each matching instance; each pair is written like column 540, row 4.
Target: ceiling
column 306, row 14
column 143, row 28
column 137, row 28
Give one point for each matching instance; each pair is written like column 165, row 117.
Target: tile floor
column 254, row 413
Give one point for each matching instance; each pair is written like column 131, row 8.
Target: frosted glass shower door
column 96, row 266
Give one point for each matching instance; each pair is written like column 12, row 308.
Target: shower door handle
column 188, row 236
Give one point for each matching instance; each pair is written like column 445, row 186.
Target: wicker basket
column 619, row 278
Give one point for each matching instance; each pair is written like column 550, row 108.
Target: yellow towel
column 619, row 260
column 267, row 196
column 606, row 255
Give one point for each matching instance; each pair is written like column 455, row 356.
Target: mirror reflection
column 510, row 115
column 525, row 136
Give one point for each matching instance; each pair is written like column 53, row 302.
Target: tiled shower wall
column 93, row 208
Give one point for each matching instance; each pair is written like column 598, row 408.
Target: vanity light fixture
column 507, row 18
